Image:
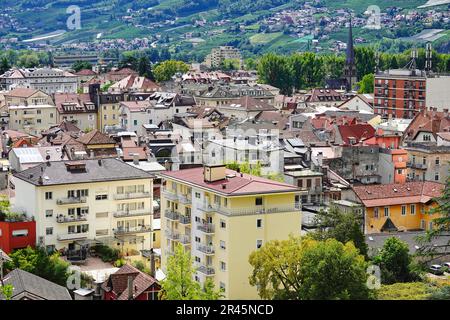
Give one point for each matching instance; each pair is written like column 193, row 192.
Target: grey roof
column 34, row 287
column 56, row 172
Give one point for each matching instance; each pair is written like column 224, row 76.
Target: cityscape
column 224, row 150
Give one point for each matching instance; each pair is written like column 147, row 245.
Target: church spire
column 350, row 50
column 350, row 65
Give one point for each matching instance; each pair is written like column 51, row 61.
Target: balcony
column 71, row 200
column 184, row 219
column 206, row 270
column 132, row 230
column 172, row 235
column 171, row 215
column 206, row 249
column 170, row 195
column 207, row 208
column 185, row 240
column 207, row 228
column 131, row 213
column 136, row 195
column 184, row 199
column 72, row 236
column 416, row 165
column 67, row 219
column 29, row 115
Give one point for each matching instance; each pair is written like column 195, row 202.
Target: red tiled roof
column 357, row 131
column 21, row 92
column 128, row 153
column 86, row 72
column 429, row 121
column 400, row 193
column 237, row 185
column 95, row 137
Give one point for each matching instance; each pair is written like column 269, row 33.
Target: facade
column 106, row 200
column 17, row 235
column 309, row 181
column 48, row 80
column 218, row 55
column 398, row 207
column 221, row 217
column 109, row 109
column 78, row 109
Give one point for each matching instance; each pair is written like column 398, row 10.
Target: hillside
column 255, row 26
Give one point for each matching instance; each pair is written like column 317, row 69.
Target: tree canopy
column 164, row 71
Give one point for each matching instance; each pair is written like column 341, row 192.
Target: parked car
column 436, row 269
column 446, row 265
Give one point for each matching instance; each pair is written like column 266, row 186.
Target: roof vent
column 224, row 186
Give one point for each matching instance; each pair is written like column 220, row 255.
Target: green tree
column 28, row 60
column 275, row 71
column 7, row 291
column 164, row 71
column 306, row 269
column 394, row 261
column 38, row 262
column 230, row 64
column 80, row 65
column 4, row 65
column 364, row 60
column 367, row 83
column 180, row 284
column 145, row 67
column 342, row 226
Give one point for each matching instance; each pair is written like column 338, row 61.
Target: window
column 223, row 224
column 437, row 161
column 38, row 120
column 430, row 226
column 49, row 231
column 258, row 201
column 259, row 244
column 436, row 176
column 308, row 183
column 259, row 223
column 403, row 210
column 135, row 122
column 48, row 195
column 48, row 213
column 197, row 259
column 222, row 245
column 386, row 211
column 197, row 239
column 101, row 197
column 223, row 266
column 413, row 209
column 375, row 213
column 222, row 286
column 197, row 195
column 154, row 237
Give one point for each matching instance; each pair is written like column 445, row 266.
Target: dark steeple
column 350, row 66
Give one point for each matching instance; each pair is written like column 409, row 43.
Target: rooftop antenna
column 412, row 64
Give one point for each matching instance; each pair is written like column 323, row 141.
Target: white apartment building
column 218, row 55
column 48, row 80
column 103, row 200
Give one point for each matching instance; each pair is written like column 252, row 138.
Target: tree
column 367, row 83
column 230, row 64
column 275, row 71
column 7, row 291
column 28, row 60
column 164, row 71
column 342, row 226
column 38, row 262
column 180, row 284
column 145, row 67
column 306, row 269
column 80, row 65
column 394, row 261
column 4, row 65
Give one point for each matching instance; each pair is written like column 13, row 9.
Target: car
column 446, row 265
column 436, row 269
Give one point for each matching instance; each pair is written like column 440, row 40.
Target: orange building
column 398, row 207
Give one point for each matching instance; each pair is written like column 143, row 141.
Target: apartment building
column 398, row 207
column 218, row 55
column 48, row 80
column 94, row 201
column 108, row 109
column 221, row 217
column 30, row 110
column 79, row 109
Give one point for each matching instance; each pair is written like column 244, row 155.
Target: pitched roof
column 429, row 121
column 57, row 172
column 86, row 72
column 250, row 104
column 35, row 288
column 21, row 92
column 358, row 131
column 237, row 185
column 95, row 137
column 400, row 193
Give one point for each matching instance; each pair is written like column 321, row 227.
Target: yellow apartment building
column 398, row 207
column 109, row 109
column 221, row 217
column 88, row 202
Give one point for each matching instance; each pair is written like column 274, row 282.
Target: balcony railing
column 136, row 195
column 72, row 236
column 131, row 213
column 140, row 229
column 172, row 235
column 207, row 249
column 206, row 228
column 416, row 165
column 185, row 219
column 252, row 210
column 206, row 270
column 67, row 219
column 206, row 207
column 171, row 215
column 71, row 200
column 184, row 199
column 170, row 195
column 185, row 239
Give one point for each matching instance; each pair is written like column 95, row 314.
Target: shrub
column 120, row 263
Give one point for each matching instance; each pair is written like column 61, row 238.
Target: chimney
column 130, row 288
column 136, row 159
column 152, row 264
column 320, row 159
